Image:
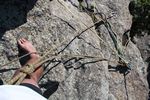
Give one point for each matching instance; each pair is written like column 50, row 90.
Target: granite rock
column 52, row 22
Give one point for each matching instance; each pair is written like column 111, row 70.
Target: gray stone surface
column 51, row 22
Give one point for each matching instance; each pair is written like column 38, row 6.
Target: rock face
column 56, row 23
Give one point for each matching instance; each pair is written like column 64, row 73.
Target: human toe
column 24, row 40
column 19, row 42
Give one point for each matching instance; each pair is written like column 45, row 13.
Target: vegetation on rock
column 140, row 10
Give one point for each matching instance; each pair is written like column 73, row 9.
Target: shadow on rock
column 51, row 87
column 6, row 70
column 1, row 82
column 121, row 69
column 148, row 74
column 13, row 13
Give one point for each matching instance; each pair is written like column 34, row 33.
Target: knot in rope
column 28, row 69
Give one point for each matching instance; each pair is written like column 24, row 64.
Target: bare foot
column 27, row 46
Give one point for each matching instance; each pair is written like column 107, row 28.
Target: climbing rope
column 118, row 50
column 51, row 52
column 117, row 45
column 28, row 69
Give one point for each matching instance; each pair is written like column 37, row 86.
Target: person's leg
column 35, row 76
